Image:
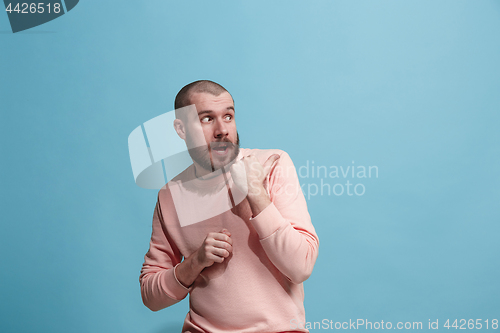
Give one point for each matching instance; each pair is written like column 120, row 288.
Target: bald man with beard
column 232, row 230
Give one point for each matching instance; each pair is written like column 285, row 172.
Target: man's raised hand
column 249, row 175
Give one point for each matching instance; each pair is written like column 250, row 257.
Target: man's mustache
column 222, row 144
column 215, row 144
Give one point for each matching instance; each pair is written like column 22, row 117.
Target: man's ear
column 180, row 129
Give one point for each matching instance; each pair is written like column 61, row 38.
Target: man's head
column 210, row 133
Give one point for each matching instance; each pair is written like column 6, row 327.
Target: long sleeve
column 284, row 227
column 259, row 287
column 159, row 285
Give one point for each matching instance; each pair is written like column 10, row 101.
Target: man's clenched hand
column 215, row 248
column 249, row 175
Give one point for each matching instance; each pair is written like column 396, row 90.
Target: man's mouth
column 220, row 148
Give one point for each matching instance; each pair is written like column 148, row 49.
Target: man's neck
column 202, row 173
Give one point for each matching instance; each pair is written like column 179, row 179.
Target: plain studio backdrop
column 409, row 87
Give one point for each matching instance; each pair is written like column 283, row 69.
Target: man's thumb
column 270, row 163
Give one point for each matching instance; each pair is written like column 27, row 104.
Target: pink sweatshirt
column 259, row 287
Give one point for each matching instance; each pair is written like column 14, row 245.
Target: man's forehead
column 206, row 99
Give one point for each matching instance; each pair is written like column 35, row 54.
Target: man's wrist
column 195, row 264
column 188, row 270
column 254, row 192
column 258, row 200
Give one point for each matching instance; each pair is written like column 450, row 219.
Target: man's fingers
column 225, row 231
column 266, row 167
column 222, row 236
column 215, row 258
column 215, row 247
column 222, row 245
column 220, row 252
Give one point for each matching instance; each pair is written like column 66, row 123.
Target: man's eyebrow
column 210, row 111
column 205, row 111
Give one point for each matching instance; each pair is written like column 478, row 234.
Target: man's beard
column 201, row 155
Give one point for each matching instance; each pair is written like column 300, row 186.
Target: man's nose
column 220, row 129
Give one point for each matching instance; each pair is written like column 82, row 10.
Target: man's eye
column 205, row 119
column 229, row 117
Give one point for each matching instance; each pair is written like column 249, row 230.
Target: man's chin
column 225, row 162
column 223, row 165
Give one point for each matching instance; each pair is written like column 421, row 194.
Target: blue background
column 409, row 86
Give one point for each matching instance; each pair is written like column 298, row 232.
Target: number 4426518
column 472, row 324
column 33, row 8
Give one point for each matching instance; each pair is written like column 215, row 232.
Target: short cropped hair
column 202, row 86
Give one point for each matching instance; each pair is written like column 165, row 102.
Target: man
column 240, row 221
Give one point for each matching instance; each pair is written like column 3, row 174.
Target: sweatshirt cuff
column 174, row 288
column 267, row 221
